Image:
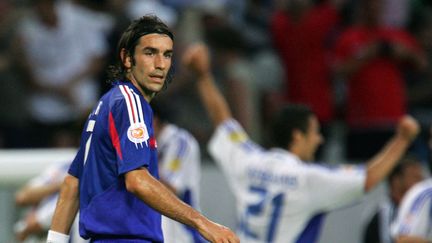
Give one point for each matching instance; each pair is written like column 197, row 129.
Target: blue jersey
column 117, row 138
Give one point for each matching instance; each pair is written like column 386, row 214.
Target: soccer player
column 113, row 178
column 179, row 169
column 41, row 193
column 414, row 219
column 281, row 197
column 407, row 173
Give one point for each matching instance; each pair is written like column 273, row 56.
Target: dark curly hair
column 291, row 117
column 148, row 24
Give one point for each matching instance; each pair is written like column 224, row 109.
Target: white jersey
column 179, row 165
column 45, row 209
column 279, row 197
column 414, row 217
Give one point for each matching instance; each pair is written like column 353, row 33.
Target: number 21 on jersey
column 257, row 210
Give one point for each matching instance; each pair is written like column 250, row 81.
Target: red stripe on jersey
column 130, row 102
column 114, row 136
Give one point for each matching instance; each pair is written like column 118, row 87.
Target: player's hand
column 196, row 58
column 408, row 128
column 216, row 233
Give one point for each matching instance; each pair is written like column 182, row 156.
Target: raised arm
column 197, row 59
column 382, row 163
column 142, row 184
column 66, row 210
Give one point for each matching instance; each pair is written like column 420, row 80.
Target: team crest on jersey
column 137, row 133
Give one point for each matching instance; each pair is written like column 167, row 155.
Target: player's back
column 279, row 197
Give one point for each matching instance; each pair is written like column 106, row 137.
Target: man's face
column 311, row 140
column 152, row 57
column 411, row 175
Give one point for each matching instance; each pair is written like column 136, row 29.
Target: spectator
column 63, row 52
column 302, row 34
column 13, row 111
column 371, row 58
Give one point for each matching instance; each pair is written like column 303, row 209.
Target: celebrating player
column 179, row 169
column 114, row 174
column 280, row 197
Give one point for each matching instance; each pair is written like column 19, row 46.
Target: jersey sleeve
column 77, row 164
column 231, row 147
column 331, row 188
column 414, row 215
column 174, row 160
column 129, row 132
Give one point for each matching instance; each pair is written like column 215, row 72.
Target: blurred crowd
column 363, row 63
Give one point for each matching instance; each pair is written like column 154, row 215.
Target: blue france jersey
column 117, row 138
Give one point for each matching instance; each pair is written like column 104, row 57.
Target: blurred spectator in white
column 396, row 13
column 138, row 8
column 63, row 51
column 40, row 196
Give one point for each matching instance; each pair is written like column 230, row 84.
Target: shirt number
column 256, row 209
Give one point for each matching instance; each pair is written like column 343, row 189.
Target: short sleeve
column 174, row 163
column 331, row 188
column 77, row 164
column 129, row 132
column 231, row 147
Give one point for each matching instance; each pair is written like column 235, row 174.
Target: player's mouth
column 157, row 78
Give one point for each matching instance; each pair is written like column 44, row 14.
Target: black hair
column 148, row 24
column 407, row 161
column 290, row 118
column 162, row 110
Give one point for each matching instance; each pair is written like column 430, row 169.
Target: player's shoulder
column 422, row 189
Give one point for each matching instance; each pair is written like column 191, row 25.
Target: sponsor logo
column 137, row 133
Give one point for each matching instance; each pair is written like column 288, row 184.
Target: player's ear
column 126, row 58
column 297, row 134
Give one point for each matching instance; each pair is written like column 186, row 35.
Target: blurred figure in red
column 371, row 58
column 301, row 34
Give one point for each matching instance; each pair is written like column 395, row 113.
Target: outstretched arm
column 197, row 59
column 383, row 162
column 142, row 184
column 411, row 239
column 66, row 210
column 32, row 195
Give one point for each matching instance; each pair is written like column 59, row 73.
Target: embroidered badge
column 137, row 133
